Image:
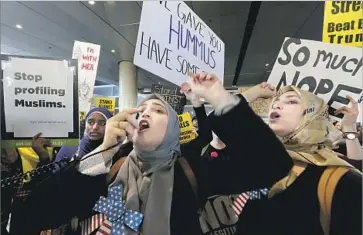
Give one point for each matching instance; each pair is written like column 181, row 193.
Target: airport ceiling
column 50, row 28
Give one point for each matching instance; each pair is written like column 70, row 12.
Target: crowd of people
column 131, row 175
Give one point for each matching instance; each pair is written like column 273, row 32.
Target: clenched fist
column 119, row 127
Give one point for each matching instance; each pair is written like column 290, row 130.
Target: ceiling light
column 267, row 65
column 18, row 26
column 113, row 51
column 91, row 2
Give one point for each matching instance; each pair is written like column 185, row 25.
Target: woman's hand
column 209, row 87
column 39, row 145
column 187, row 91
column 350, row 115
column 119, row 127
column 263, row 90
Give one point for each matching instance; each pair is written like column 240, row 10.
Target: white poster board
column 173, row 41
column 39, row 95
column 88, row 55
column 328, row 70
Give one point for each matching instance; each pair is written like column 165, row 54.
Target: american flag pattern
column 241, row 200
column 105, row 229
column 91, row 224
column 257, row 194
column 115, row 210
column 239, row 203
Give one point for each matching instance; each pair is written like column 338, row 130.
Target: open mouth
column 94, row 134
column 143, row 125
column 274, row 116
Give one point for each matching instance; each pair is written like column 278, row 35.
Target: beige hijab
column 312, row 142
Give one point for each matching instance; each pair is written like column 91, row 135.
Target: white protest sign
column 173, row 41
column 88, row 55
column 39, row 95
column 328, row 70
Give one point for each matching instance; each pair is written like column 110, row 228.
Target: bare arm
column 349, row 125
column 353, row 146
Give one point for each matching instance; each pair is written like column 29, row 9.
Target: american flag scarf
column 239, row 203
column 91, row 224
column 105, row 228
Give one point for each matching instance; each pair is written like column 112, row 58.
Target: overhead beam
column 250, row 25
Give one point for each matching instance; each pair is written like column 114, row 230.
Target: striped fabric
column 91, row 224
column 239, row 203
column 105, row 228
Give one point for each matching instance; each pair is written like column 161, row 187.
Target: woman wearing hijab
column 299, row 119
column 152, row 190
column 95, row 130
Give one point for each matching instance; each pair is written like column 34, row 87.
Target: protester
column 94, row 132
column 152, row 174
column 350, row 149
column 157, row 147
column 298, row 118
column 15, row 161
column 68, row 151
column 39, row 154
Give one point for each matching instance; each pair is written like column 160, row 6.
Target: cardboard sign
column 173, row 41
column 39, row 95
column 327, row 70
column 343, row 23
column 171, row 95
column 107, row 103
column 186, row 128
column 88, row 56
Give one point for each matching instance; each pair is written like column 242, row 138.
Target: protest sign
column 172, row 95
column 328, row 70
column 87, row 55
column 173, row 41
column 186, row 128
column 39, row 95
column 107, row 103
column 343, row 23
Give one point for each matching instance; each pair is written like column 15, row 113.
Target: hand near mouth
column 117, row 128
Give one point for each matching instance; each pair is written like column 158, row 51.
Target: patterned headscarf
column 312, row 141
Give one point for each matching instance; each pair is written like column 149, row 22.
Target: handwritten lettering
column 186, row 39
column 190, row 19
column 162, row 55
